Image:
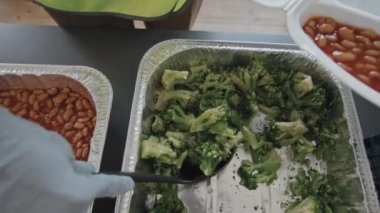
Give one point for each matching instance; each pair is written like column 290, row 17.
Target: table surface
column 117, row 53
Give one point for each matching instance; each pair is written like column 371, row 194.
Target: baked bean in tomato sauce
column 58, row 109
column 355, row 49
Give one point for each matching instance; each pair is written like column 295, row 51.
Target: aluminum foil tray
column 96, row 84
column 222, row 193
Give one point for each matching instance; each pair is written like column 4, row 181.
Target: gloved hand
column 38, row 172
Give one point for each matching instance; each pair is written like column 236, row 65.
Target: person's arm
column 38, row 172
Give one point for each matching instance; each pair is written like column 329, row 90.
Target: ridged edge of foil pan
column 164, row 50
column 97, row 85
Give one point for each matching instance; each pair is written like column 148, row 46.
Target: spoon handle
column 152, row 178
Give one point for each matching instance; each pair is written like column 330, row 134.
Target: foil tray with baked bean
column 73, row 101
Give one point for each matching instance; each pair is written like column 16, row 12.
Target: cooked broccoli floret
column 197, row 76
column 291, row 133
column 167, row 169
column 265, row 171
column 172, row 77
column 234, row 99
column 208, row 155
column 146, row 125
column 222, row 128
column 301, row 148
column 208, row 118
column 258, row 66
column 158, row 124
column 311, row 204
column 235, row 119
column 272, row 112
column 211, row 99
column 277, row 70
column 187, row 99
column 166, row 199
column 247, row 106
column 271, row 96
column 315, row 99
column 230, row 142
column 313, row 183
column 286, row 133
column 302, row 84
column 269, row 77
column 292, row 128
column 217, row 82
column 244, row 80
column 178, row 117
column 178, row 139
column 253, row 142
column 333, row 194
column 159, row 150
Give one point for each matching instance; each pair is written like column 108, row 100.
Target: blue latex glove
column 38, row 172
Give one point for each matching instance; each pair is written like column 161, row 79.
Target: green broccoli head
column 235, row 119
column 222, row 128
column 270, row 77
column 146, row 126
column 333, row 193
column 257, row 66
column 211, row 99
column 229, row 143
column 178, row 139
column 252, row 141
column 178, row 117
column 275, row 71
column 161, row 151
column 311, row 204
column 315, row 99
column 312, row 183
column 273, row 112
column 158, row 149
column 244, row 79
column 209, row 118
column 158, row 124
column 301, row 148
column 285, row 133
column 247, row 106
column 208, row 155
column 217, row 82
column 197, row 76
column 168, row 202
column 271, row 96
column 291, row 128
column 172, row 77
column 186, row 99
column 265, row 171
column 302, row 84
column 327, row 134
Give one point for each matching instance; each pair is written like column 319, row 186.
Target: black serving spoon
column 188, row 174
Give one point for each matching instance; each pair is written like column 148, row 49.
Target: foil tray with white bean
column 73, row 101
column 287, row 126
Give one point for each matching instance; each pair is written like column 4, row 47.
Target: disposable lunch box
column 299, row 11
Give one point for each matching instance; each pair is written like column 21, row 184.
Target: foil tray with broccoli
column 281, row 119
